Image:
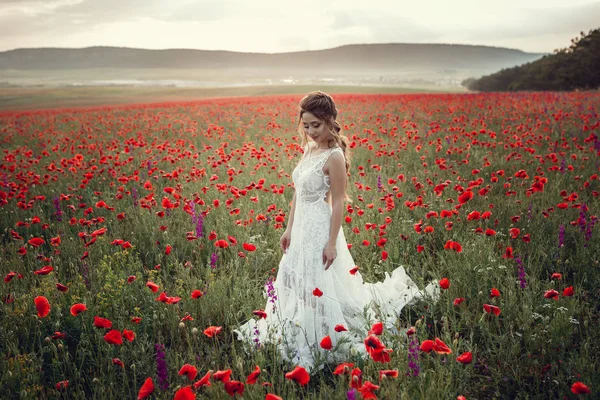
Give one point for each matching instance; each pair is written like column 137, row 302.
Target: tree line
column 576, row 67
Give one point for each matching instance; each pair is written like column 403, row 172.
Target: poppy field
column 136, row 238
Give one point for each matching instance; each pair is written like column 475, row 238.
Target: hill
column 574, row 67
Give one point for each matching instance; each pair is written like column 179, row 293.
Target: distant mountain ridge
column 374, row 58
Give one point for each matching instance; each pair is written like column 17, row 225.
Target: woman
column 318, row 290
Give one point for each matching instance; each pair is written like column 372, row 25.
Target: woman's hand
column 329, row 255
column 284, row 242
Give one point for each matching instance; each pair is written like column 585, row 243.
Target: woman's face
column 316, row 129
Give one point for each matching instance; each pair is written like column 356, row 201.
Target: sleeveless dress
column 298, row 319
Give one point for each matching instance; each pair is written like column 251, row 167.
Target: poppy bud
column 181, row 326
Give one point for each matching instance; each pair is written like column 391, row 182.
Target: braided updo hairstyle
column 322, row 106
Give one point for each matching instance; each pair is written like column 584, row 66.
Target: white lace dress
column 298, row 320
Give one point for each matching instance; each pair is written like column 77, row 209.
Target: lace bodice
column 310, row 181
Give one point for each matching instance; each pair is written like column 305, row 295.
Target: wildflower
column 161, row 367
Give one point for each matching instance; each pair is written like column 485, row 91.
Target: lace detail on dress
column 309, row 179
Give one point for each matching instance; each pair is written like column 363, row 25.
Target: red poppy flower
column 271, row 396
column 42, row 306
column 393, row 373
column 204, row 381
column 568, row 292
column 252, row 378
column 465, row 196
column 490, row 309
column 196, row 294
column 354, row 270
column 580, row 388
column 465, row 358
column 340, row 328
column 62, row 385
column 58, row 335
column 9, row 276
column 444, row 283
column 427, row 346
column 113, row 337
column 440, row 347
column 376, row 329
column 556, row 276
column 317, row 292
column 343, row 368
column 326, row 343
column 367, row 389
column 188, row 370
column 168, row 249
column 185, row 393
column 373, row 344
column 249, row 247
column 118, row 362
column 234, row 387
column 44, row 270
column 129, row 335
column 458, row 300
column 212, row 331
column 551, row 294
column 136, row 320
column 222, row 376
column 77, row 309
column 100, row 322
column 298, row 375
column 153, row 286
column 260, row 314
column 221, row 244
column 494, row 293
column 35, row 242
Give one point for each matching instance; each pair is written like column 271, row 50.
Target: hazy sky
column 273, row 26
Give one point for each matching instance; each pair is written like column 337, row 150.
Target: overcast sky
column 273, row 26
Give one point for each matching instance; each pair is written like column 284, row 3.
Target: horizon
column 254, row 52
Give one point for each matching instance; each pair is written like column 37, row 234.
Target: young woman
column 319, row 292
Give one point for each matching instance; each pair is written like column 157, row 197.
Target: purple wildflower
column 84, row 269
column 213, row 260
column 379, row 185
column 198, row 221
column 588, row 230
column 134, row 194
column 161, row 367
column 271, row 293
column 413, row 357
column 59, row 212
column 529, row 211
column 351, row 394
column 257, row 334
column 561, row 236
column 562, row 166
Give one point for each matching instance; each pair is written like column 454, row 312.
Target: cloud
column 274, row 26
column 536, row 22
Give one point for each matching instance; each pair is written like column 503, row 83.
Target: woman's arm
column 292, row 210
column 337, row 179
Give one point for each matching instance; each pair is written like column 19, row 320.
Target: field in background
column 30, row 98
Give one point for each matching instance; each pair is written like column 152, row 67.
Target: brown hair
column 322, row 106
